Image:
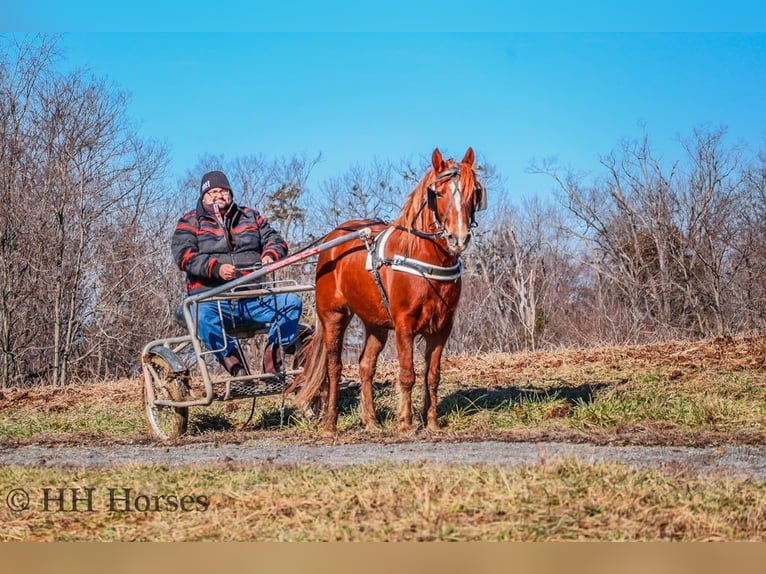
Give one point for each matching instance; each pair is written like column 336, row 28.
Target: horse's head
column 453, row 195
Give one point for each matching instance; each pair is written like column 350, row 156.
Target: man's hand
column 228, row 272
column 266, row 259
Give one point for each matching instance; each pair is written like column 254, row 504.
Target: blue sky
column 360, row 96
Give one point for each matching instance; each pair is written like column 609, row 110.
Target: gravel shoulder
column 736, row 461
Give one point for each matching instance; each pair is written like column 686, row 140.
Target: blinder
column 431, row 192
column 481, row 196
column 431, row 199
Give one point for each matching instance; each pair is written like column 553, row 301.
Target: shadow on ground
column 486, row 398
column 462, row 402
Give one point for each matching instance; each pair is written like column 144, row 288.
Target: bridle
column 451, row 174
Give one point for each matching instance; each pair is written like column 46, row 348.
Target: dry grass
column 566, row 501
column 701, row 393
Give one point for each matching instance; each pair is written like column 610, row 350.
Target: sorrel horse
column 406, row 279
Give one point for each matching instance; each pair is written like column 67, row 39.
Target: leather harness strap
column 374, row 262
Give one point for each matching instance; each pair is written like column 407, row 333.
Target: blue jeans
column 281, row 311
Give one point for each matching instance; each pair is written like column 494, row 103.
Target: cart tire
column 164, row 383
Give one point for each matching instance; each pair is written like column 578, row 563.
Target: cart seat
column 245, row 331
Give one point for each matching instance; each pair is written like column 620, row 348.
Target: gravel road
column 735, row 461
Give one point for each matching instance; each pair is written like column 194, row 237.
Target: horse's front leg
column 404, row 348
column 432, row 377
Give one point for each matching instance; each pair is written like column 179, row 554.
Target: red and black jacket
column 200, row 244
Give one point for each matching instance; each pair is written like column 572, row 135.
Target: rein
column 350, row 229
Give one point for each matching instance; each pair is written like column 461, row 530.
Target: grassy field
column 677, row 393
column 701, row 393
column 384, row 503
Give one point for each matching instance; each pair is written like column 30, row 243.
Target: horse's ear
column 437, row 160
column 469, row 157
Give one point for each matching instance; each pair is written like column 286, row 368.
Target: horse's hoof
column 329, row 432
column 374, row 427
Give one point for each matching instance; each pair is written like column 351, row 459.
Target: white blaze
column 458, row 206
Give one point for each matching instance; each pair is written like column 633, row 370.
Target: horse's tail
column 314, row 376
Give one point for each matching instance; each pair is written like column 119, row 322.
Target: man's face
column 218, row 196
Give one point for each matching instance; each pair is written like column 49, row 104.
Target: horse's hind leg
column 404, row 347
column 368, row 360
column 334, row 328
column 432, row 377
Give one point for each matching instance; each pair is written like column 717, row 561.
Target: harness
column 376, row 258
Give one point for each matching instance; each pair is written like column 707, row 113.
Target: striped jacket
column 200, row 245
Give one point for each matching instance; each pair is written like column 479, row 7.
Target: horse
column 405, row 277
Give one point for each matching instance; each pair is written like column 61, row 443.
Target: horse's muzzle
column 457, row 243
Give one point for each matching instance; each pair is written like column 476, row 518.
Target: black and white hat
column 213, row 179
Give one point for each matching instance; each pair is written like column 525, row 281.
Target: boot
column 233, row 365
column 272, row 358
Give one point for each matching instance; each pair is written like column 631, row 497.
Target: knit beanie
column 213, row 179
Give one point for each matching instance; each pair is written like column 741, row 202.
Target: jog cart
column 179, row 373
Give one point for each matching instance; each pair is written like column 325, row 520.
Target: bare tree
column 660, row 237
column 513, row 275
column 376, row 192
column 79, row 166
column 20, row 70
column 646, row 250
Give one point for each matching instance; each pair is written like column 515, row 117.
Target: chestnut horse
column 406, row 279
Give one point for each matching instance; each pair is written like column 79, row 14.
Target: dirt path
column 735, row 461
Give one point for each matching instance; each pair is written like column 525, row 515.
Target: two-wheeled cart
column 178, row 372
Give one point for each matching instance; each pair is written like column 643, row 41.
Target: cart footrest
column 261, row 386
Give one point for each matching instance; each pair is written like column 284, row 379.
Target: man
column 217, row 242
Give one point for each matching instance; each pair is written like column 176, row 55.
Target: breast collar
column 376, row 258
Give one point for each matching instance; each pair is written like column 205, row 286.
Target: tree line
column 645, row 250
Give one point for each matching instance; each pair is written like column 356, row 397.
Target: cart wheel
column 162, row 383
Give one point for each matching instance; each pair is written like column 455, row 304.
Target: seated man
column 213, row 243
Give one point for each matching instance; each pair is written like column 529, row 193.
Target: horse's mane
column 414, row 206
